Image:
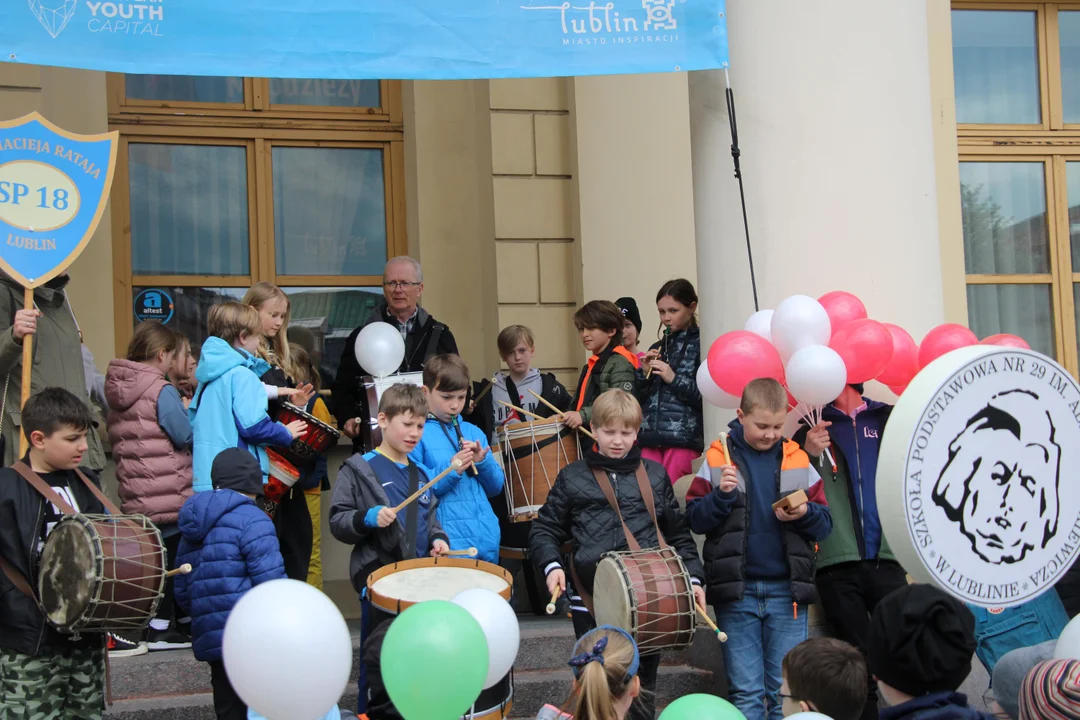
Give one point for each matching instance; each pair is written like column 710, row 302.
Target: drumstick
column 720, row 634
column 581, row 428
column 523, row 411
column 453, row 466
column 554, row 596
column 471, row 552
column 182, row 570
column 480, row 395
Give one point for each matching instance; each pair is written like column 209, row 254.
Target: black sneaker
column 121, row 647
column 167, row 640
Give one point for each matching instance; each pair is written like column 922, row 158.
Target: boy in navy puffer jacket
column 231, row 546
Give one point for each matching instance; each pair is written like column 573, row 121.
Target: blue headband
column 579, row 661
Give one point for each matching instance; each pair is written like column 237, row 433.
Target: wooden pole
column 27, row 368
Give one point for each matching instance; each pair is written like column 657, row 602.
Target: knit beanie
column 1010, row 671
column 1051, row 691
column 920, row 641
column 629, row 310
column 236, row 469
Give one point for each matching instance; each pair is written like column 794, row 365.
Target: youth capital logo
column 971, row 490
column 54, row 15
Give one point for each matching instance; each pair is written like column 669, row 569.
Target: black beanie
column 920, row 641
column 236, row 469
column 629, row 310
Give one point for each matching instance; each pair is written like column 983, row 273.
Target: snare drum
column 648, row 593
column 494, row 703
column 533, row 454
column 370, row 433
column 102, row 573
column 317, row 440
column 393, row 588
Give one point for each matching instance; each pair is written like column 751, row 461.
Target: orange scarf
column 592, row 363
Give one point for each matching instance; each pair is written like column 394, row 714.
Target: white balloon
column 816, row 375
column 1068, row 644
column 291, row 622
column 500, row 626
column 711, row 392
column 379, row 349
column 808, row 716
column 760, row 323
column 798, row 322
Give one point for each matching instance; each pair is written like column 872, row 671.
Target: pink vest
column 154, row 477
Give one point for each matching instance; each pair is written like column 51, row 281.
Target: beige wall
column 74, row 100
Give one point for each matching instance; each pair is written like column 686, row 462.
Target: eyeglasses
column 398, row 285
column 784, row 696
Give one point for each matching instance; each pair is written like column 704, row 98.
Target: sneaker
column 184, row 628
column 120, row 647
column 167, row 640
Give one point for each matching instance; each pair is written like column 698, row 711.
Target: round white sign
column 976, row 478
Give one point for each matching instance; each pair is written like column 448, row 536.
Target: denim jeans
column 761, row 629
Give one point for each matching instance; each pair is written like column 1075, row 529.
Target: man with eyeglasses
column 403, row 284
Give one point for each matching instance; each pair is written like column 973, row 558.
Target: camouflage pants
column 57, row 685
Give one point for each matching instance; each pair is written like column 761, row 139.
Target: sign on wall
column 368, row 39
column 54, row 186
column 976, row 480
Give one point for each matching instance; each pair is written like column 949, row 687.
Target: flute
column 461, row 446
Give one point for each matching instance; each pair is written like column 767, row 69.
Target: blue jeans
column 761, row 629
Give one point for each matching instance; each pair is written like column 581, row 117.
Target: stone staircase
column 174, row 686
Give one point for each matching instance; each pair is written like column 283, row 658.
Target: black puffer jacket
column 672, row 411
column 577, row 511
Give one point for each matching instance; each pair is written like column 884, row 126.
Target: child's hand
column 186, row 401
column 572, row 419
column 439, row 548
column 472, row 407
column 729, row 479
column 785, row 515
column 817, row 439
column 386, row 517
column 352, row 427
column 465, row 457
column 699, row 595
column 480, row 452
column 296, row 428
column 556, row 580
column 662, row 370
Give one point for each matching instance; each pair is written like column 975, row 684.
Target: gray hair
column 408, row 260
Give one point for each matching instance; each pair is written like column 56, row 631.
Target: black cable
column 735, row 153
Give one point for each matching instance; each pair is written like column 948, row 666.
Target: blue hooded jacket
column 464, row 510
column 229, row 409
column 232, row 547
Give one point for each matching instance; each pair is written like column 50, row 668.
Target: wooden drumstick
column 480, row 395
column 182, row 570
column 523, row 411
column 470, row 552
column 720, row 634
column 580, row 427
column 456, row 465
column 554, row 596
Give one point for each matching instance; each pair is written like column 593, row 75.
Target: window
column 1017, row 76
column 223, row 182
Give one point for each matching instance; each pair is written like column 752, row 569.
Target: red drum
column 317, row 440
column 283, row 475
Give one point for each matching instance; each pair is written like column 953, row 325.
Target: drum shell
column 318, row 439
column 495, row 702
column 660, row 597
column 533, row 455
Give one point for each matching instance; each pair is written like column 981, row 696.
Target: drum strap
column 17, row 578
column 412, row 513
column 52, row 496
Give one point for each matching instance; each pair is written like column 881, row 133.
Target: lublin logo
column 600, row 23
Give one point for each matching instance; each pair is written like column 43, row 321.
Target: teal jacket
column 229, row 409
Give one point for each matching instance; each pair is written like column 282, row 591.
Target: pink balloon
column 865, row 347
column 1006, row 340
column 904, row 363
column 740, row 356
column 842, row 307
column 944, row 339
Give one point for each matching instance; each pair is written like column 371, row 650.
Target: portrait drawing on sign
column 1000, row 484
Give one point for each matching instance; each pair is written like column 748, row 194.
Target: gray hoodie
column 525, row 400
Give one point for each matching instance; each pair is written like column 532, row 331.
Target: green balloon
column 434, row 661
column 701, row 707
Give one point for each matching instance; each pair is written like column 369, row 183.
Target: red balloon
column 740, row 356
column 866, row 348
column 944, row 339
column 898, row 390
column 842, row 307
column 904, row 363
column 1006, row 340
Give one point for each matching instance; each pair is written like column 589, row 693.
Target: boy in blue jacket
column 230, row 406
column 464, row 509
column 232, row 546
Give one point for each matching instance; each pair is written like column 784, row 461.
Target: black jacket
column 22, row 511
column 577, row 511
column 428, row 337
column 672, row 412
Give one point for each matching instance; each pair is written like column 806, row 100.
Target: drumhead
column 395, row 587
column 68, row 577
column 611, row 597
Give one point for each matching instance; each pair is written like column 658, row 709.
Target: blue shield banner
column 367, row 39
column 53, row 189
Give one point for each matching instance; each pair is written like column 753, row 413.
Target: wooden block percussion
column 792, row 501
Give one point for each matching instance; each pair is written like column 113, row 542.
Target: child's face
column 444, row 404
column 762, row 428
column 249, row 342
column 520, row 359
column 63, row 450
column 179, row 369
column 402, row 432
column 629, row 334
column 595, row 339
column 674, row 314
column 616, row 440
column 272, row 315
column 790, row 706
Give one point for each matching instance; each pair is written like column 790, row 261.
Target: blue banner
column 367, row 39
column 53, row 189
